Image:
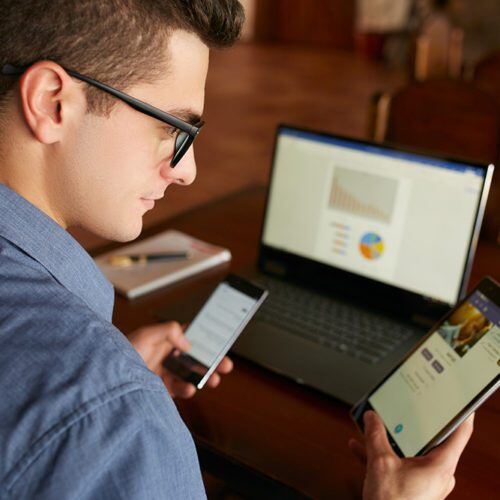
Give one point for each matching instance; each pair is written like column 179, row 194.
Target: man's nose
column 184, row 172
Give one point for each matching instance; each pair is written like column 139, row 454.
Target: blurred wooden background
column 319, row 64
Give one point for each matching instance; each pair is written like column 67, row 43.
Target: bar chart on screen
column 363, row 194
column 362, row 219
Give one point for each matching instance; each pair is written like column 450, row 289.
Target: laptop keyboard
column 341, row 326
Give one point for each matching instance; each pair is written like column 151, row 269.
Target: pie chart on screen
column 371, row 246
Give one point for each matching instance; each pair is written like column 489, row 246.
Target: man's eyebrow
column 188, row 115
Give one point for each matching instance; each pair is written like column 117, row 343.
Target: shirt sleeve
column 134, row 446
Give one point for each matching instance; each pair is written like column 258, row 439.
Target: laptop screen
column 400, row 218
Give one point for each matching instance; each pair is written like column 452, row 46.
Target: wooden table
column 263, row 432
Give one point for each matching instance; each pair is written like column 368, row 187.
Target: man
column 81, row 415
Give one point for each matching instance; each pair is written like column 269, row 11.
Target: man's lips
column 149, row 200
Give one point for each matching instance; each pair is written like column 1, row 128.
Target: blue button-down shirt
column 81, row 416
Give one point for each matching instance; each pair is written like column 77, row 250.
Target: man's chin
column 128, row 235
column 120, row 233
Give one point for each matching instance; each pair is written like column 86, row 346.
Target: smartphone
column 446, row 377
column 215, row 329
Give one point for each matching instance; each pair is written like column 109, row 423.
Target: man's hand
column 155, row 342
column 389, row 477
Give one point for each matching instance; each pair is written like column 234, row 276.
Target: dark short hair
column 120, row 42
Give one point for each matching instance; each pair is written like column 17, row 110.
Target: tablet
column 447, row 376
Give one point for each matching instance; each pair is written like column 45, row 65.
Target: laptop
column 363, row 247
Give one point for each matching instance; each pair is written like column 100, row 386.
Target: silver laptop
column 363, row 247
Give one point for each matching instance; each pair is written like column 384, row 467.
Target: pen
column 128, row 260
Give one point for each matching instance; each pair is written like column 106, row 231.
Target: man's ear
column 49, row 98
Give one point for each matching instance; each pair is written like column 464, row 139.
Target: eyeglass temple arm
column 9, row 69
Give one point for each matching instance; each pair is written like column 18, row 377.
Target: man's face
column 114, row 167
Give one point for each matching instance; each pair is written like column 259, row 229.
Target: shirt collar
column 56, row 250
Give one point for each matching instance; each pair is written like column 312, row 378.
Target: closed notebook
column 138, row 279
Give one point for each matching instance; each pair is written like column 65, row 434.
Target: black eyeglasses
column 186, row 132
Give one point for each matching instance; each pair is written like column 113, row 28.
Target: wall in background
column 304, row 22
column 480, row 20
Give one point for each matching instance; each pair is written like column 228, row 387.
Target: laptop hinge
column 420, row 319
column 274, row 267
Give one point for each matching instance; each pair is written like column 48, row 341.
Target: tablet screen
column 454, row 364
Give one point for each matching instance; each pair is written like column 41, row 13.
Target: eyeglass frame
column 192, row 130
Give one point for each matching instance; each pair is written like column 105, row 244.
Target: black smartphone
column 215, row 329
column 446, row 377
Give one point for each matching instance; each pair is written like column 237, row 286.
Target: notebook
column 139, row 279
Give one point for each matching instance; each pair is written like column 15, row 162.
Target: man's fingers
column 376, row 440
column 175, row 335
column 225, row 366
column 180, row 389
column 448, row 453
column 213, row 381
column 358, row 450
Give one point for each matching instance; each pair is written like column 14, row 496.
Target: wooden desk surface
column 268, row 424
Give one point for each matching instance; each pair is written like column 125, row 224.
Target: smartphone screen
column 215, row 329
column 456, row 364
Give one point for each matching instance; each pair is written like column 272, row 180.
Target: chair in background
column 446, row 117
column 487, row 78
column 438, row 57
column 438, row 47
column 487, row 75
